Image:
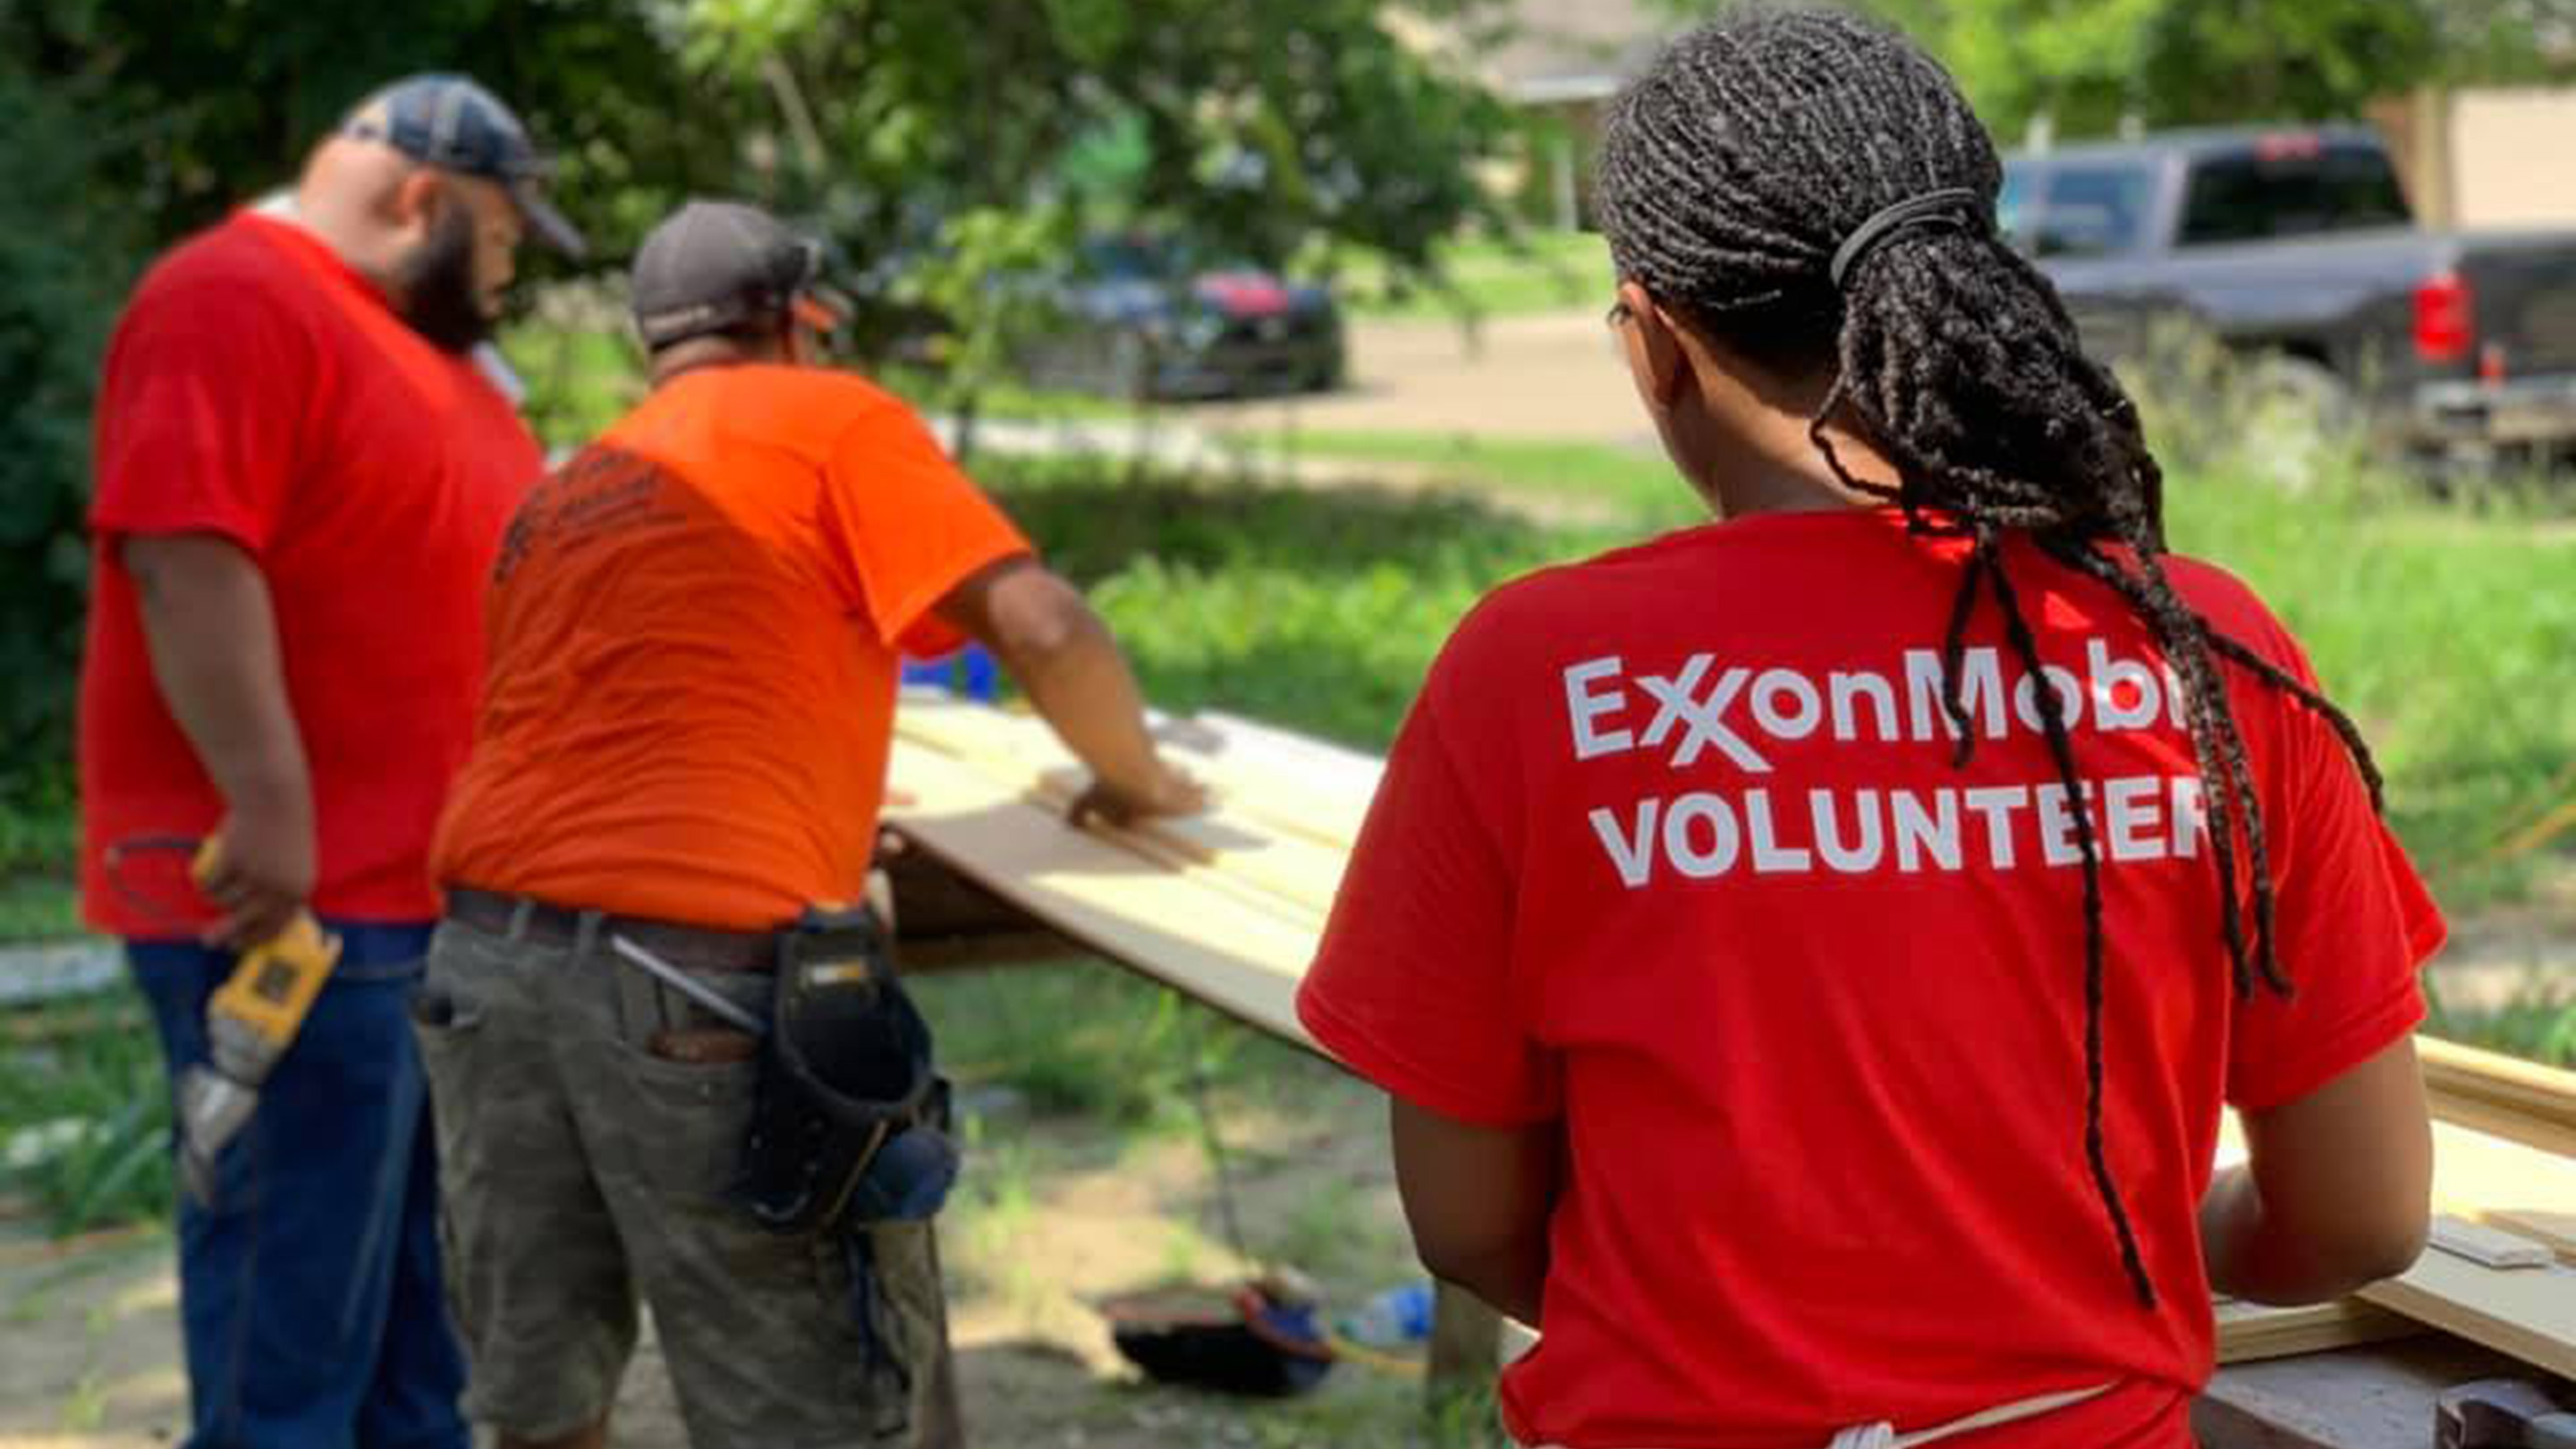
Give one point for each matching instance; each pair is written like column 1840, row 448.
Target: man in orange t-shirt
column 696, row 629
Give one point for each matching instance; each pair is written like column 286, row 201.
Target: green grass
column 1005, row 399
column 1635, row 488
column 39, row 839
column 1049, row 1034
column 2539, row 1024
column 39, row 905
column 85, row 1110
column 1315, row 609
column 2450, row 635
column 1539, row 271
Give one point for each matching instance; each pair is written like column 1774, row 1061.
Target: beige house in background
column 2487, row 158
column 2472, row 158
column 1559, row 61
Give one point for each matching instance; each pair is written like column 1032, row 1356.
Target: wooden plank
column 2486, row 1246
column 1351, row 769
column 1298, row 871
column 2487, row 1179
column 1219, row 947
column 2254, row 1332
column 965, row 730
column 2507, row 1184
column 2501, row 1095
column 1309, row 785
column 2556, row 1229
column 1317, row 803
column 1232, row 850
column 2529, row 1313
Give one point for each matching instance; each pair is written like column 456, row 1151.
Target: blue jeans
column 309, row 1290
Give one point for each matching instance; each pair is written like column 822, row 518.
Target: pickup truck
column 2297, row 247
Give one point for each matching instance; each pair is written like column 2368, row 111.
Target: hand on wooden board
column 1171, row 791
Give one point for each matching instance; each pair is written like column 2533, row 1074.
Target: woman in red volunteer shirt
column 1810, row 952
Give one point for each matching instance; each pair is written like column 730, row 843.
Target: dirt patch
column 1058, row 1214
column 89, row 1344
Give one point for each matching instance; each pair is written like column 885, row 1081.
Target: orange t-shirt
column 695, row 628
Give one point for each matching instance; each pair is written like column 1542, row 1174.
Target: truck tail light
column 2445, row 318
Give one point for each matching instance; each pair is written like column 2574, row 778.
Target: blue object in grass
column 1399, row 1316
column 970, row 672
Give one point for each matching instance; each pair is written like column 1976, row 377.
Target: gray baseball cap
column 452, row 123
column 713, row 266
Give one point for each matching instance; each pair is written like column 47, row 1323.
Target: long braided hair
column 1813, row 191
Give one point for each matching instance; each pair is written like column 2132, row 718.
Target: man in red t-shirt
column 306, row 456
column 1811, row 952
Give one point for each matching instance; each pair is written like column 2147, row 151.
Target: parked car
column 2297, row 246
column 1142, row 318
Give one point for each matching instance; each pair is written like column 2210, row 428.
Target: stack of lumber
column 1226, row 907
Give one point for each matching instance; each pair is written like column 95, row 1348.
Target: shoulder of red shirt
column 2231, row 606
column 239, row 256
column 1525, row 607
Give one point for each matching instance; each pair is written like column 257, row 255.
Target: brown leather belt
column 698, row 948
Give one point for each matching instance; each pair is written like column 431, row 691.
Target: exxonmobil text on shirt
column 1680, row 852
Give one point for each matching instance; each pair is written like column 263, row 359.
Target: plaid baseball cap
column 715, row 265
column 452, row 123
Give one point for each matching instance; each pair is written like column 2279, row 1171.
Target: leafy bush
column 63, row 259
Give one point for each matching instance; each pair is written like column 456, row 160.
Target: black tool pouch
column 849, row 1122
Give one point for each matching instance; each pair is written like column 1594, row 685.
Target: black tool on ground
column 2502, row 1414
column 1264, row 1339
column 850, row 1120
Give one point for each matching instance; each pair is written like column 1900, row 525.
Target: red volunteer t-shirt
column 259, row 389
column 1672, row 848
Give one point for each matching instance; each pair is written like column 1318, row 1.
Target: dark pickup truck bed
column 2298, row 246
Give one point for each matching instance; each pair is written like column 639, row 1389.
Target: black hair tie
column 1930, row 206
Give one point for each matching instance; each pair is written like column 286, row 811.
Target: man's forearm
column 212, row 633
column 1084, row 690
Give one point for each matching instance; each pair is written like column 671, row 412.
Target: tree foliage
column 959, row 159
column 943, row 143
column 2091, row 65
column 54, row 304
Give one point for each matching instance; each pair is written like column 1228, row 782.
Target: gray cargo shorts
column 581, row 1170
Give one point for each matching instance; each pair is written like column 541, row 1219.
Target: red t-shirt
column 259, row 389
column 1672, row 849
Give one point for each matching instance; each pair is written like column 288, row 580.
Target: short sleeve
column 2353, row 924
column 906, row 527
column 207, row 382
column 1411, row 986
